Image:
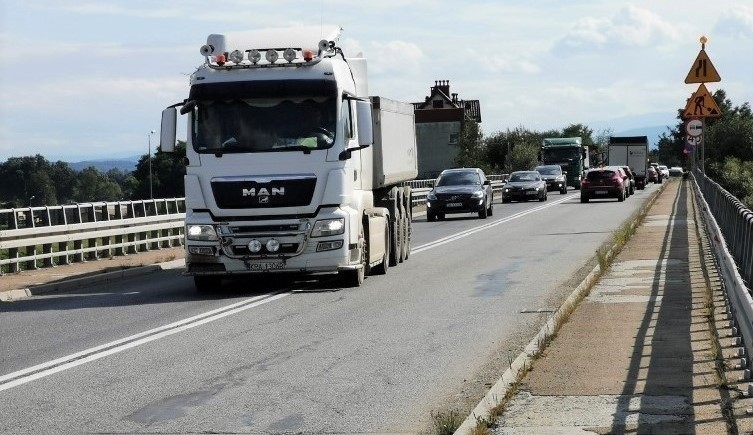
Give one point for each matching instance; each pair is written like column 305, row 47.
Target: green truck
column 568, row 152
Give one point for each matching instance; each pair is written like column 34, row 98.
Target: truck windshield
column 560, row 154
column 263, row 125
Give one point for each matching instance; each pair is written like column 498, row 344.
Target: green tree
column 523, row 157
column 472, row 148
column 168, row 170
column 93, row 185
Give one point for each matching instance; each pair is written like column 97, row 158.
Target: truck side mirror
column 167, row 130
column 365, row 126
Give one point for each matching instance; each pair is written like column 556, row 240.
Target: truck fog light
column 271, row 56
column 273, row 245
column 201, row 250
column 289, row 54
column 236, row 56
column 329, row 245
column 254, row 56
column 254, row 246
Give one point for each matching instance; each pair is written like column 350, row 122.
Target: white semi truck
column 291, row 166
column 630, row 151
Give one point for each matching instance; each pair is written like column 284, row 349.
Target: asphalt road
column 151, row 356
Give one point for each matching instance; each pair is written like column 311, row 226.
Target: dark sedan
column 523, row 186
column 554, row 177
column 463, row 190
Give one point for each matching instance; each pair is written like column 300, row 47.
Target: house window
column 453, row 139
column 437, row 104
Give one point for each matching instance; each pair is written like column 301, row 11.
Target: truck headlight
column 328, row 227
column 205, row 233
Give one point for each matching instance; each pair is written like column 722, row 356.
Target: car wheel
column 490, row 211
column 563, row 191
column 543, row 198
column 440, row 216
column 621, row 197
column 584, row 199
column 505, row 200
column 483, row 212
column 430, row 217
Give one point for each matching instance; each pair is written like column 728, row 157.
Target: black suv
column 462, row 190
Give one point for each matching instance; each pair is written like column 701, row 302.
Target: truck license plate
column 267, row 265
column 454, row 204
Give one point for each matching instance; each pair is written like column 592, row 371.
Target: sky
column 83, row 80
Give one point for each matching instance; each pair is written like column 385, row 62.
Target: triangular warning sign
column 701, row 105
column 703, row 70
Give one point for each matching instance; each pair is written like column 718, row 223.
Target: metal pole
column 703, row 145
column 149, row 138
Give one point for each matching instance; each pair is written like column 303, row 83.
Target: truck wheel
column 206, row 284
column 403, row 224
column 395, row 248
column 354, row 278
column 382, row 268
column 408, row 231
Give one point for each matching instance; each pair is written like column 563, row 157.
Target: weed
column 446, row 423
column 601, row 254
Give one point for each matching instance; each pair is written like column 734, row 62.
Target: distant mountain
column 104, row 165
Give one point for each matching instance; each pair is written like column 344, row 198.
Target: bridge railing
column 46, row 236
column 55, row 235
column 730, row 226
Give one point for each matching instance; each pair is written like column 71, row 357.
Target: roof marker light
column 289, row 55
column 220, row 59
column 236, row 56
column 272, row 56
column 254, row 56
column 308, row 55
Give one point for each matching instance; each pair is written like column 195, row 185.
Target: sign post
column 700, row 105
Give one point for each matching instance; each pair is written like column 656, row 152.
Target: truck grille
column 243, row 193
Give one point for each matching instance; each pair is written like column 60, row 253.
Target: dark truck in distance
column 631, row 151
column 569, row 153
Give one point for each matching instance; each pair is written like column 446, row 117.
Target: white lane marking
column 45, row 369
column 466, row 233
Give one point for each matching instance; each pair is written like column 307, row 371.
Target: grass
column 446, row 423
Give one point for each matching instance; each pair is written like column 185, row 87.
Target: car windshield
column 600, row 175
column 458, row 178
column 261, row 125
column 523, row 176
column 549, row 170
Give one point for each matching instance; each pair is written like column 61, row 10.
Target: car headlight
column 507, row 189
column 478, row 194
column 206, row 233
column 561, row 178
column 328, row 227
column 431, row 196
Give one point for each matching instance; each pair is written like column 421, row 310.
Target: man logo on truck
column 264, row 191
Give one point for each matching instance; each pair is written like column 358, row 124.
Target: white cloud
column 630, row 27
column 736, row 23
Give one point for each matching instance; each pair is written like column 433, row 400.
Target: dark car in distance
column 554, row 177
column 524, row 185
column 603, row 183
column 461, row 190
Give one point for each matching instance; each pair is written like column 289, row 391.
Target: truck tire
column 207, row 283
column 354, row 278
column 403, row 224
column 382, row 268
column 408, row 220
column 396, row 228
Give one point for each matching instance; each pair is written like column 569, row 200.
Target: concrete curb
column 96, row 278
column 524, row 361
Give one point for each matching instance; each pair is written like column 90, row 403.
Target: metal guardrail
column 730, row 225
column 735, row 223
column 56, row 235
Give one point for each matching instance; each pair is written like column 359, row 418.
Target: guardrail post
column 31, row 264
column 63, row 258
column 47, row 249
column 78, row 245
column 14, row 267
